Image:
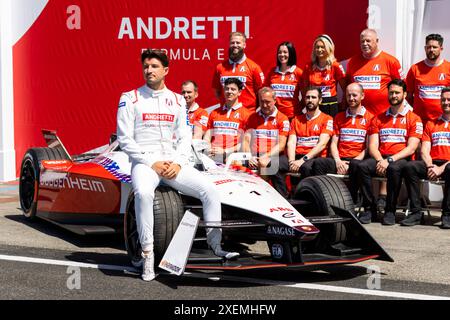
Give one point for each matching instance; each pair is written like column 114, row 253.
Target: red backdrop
column 70, row 79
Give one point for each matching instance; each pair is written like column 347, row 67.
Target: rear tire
column 30, row 171
column 168, row 210
column 322, row 192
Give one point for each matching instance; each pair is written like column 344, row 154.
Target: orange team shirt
column 394, row 131
column 287, row 88
column 438, row 133
column 245, row 70
column 374, row 75
column 352, row 132
column 308, row 131
column 325, row 78
column 228, row 125
column 426, row 83
column 198, row 116
column 267, row 130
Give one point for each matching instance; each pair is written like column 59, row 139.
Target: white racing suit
column 152, row 126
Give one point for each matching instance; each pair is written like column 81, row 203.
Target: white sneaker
column 214, row 238
column 148, row 267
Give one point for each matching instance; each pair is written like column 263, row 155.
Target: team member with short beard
column 308, row 139
column 349, row 142
column 241, row 67
column 393, row 138
column 426, row 79
column 435, row 164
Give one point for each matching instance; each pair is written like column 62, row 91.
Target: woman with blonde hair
column 324, row 72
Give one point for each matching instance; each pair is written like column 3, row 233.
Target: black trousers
column 329, row 106
column 417, row 170
column 322, row 166
column 279, row 179
column 367, row 169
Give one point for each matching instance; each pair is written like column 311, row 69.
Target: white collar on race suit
column 238, row 62
column 406, row 109
column 273, row 115
column 361, row 112
column 290, row 70
column 154, row 93
column 235, row 107
column 194, row 107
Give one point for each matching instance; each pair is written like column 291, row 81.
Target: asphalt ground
column 40, row 261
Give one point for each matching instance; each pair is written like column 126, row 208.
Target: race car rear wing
column 53, row 141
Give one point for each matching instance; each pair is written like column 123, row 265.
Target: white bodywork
column 237, row 188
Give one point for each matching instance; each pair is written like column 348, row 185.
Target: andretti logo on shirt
column 158, row 117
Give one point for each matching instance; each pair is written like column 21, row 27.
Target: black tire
column 29, row 176
column 322, row 192
column 168, row 210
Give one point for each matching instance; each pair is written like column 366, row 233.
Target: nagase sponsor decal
column 168, row 265
column 280, row 231
column 74, row 183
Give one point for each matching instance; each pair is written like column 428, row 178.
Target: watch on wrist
column 305, row 158
column 390, row 160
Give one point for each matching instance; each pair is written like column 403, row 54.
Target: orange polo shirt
column 438, row 133
column 287, row 88
column 308, row 131
column 374, row 75
column 325, row 78
column 394, row 131
column 198, row 117
column 267, row 130
column 352, row 131
column 246, row 70
column 426, row 83
column 228, row 125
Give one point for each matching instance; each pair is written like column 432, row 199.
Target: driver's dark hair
column 157, row 54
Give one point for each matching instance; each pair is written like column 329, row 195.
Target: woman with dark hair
column 285, row 79
column 325, row 72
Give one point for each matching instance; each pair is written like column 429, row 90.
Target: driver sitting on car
column 148, row 118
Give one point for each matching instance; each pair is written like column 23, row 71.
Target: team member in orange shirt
column 393, row 138
column 325, row 72
column 241, row 67
column 309, row 135
column 373, row 69
column 285, row 79
column 426, row 79
column 226, row 124
column 198, row 117
column 435, row 165
column 266, row 134
column 349, row 142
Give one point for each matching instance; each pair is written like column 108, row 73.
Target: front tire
column 168, row 211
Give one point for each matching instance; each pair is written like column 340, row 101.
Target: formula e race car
column 91, row 194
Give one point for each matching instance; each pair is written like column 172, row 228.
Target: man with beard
column 435, row 164
column 308, row 139
column 393, row 138
column 349, row 142
column 241, row 67
column 426, row 79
